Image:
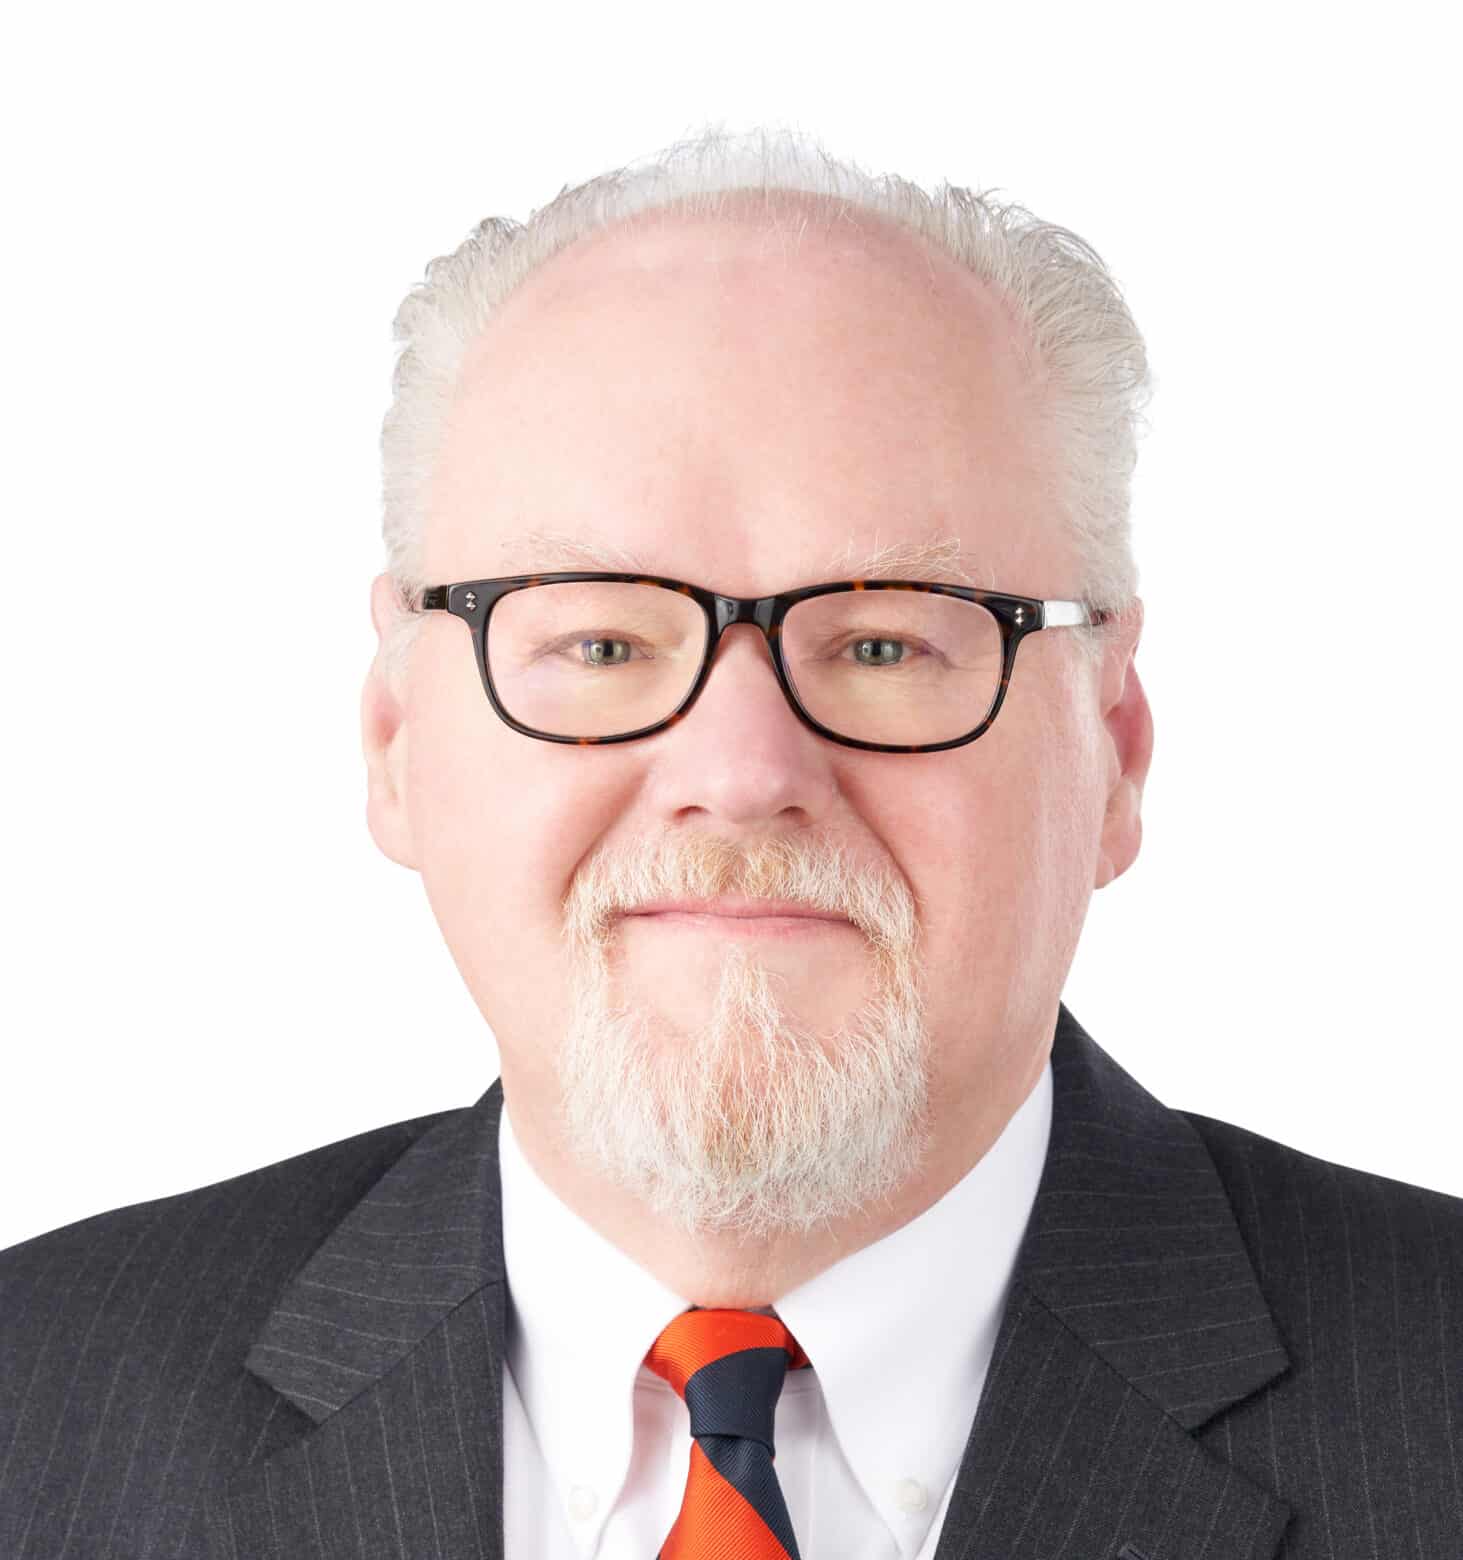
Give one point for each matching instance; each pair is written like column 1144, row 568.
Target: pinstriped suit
column 1216, row 1348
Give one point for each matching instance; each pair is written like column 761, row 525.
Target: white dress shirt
column 899, row 1336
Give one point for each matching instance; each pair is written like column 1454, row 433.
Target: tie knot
column 728, row 1368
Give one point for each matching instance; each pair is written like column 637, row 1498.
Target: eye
column 884, row 651
column 598, row 656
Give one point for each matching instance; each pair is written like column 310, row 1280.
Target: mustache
column 819, row 877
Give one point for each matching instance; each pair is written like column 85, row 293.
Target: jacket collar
column 1134, row 1318
column 1133, row 1245
column 425, row 1238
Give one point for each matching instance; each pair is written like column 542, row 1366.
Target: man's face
column 737, row 407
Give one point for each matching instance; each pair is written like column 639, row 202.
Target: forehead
column 759, row 395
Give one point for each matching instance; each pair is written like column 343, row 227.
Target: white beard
column 749, row 1123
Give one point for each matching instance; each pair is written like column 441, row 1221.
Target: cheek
column 453, row 784
column 462, row 794
column 974, row 860
column 502, row 823
column 1054, row 863
column 1003, row 859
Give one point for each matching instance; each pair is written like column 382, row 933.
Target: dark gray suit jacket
column 1216, row 1348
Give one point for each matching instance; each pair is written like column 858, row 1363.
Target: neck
column 720, row 1269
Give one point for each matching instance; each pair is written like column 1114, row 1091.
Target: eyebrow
column 939, row 559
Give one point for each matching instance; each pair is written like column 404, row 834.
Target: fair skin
column 737, row 405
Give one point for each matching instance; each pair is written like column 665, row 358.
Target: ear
column 384, row 737
column 1129, row 726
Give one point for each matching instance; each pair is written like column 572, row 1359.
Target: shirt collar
column 581, row 1317
column 583, row 1314
column 901, row 1332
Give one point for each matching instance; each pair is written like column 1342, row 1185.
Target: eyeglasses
column 594, row 658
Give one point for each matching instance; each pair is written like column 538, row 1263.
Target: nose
column 740, row 756
column 744, row 660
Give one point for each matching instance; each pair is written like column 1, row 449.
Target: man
column 804, row 1218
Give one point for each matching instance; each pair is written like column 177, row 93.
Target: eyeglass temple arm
column 1071, row 614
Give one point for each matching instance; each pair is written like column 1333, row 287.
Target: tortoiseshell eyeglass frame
column 1018, row 616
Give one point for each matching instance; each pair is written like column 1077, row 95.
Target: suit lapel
column 1134, row 1318
column 392, row 1339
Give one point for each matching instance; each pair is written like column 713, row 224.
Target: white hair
column 1078, row 328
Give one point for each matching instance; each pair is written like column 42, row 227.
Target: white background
column 212, row 214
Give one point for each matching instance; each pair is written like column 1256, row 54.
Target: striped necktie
column 728, row 1368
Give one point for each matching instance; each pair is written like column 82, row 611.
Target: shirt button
column 910, row 1495
column 582, row 1501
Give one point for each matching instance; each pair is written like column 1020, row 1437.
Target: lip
column 737, row 909
column 794, row 927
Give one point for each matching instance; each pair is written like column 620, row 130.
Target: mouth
column 735, row 905
column 743, row 925
column 740, row 917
